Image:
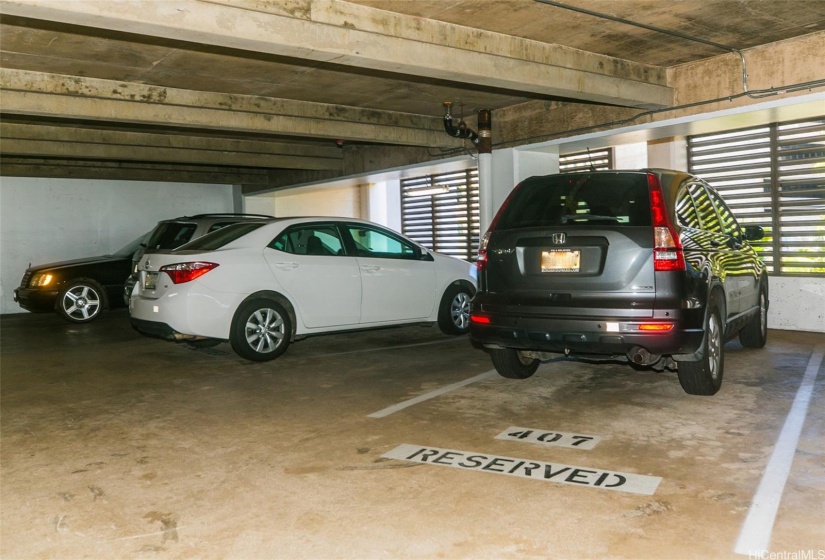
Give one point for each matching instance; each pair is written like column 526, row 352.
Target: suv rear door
column 576, row 244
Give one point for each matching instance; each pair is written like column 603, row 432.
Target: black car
column 647, row 266
column 77, row 289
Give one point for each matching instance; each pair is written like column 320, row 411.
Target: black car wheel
column 704, row 377
column 755, row 333
column 513, row 364
column 454, row 311
column 261, row 330
column 80, row 301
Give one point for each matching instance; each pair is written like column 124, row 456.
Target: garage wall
column 46, row 220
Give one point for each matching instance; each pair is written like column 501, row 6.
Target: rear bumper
column 604, row 335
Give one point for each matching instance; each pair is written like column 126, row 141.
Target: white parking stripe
column 432, row 394
column 755, row 536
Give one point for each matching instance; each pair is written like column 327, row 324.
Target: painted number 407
column 559, row 439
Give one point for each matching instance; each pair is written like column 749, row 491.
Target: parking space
column 398, row 443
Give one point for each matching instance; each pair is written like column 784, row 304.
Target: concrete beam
column 128, row 171
column 73, row 97
column 339, row 33
column 70, row 142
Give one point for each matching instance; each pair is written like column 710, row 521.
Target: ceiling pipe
column 460, row 131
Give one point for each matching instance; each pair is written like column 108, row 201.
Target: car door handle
column 367, row 268
column 286, row 265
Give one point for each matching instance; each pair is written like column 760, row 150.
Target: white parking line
column 755, row 536
column 432, row 394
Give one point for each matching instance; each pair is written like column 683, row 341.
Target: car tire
column 81, row 301
column 755, row 333
column 510, row 363
column 202, row 343
column 261, row 330
column 704, row 377
column 454, row 310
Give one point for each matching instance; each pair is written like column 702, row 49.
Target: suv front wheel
column 704, row 377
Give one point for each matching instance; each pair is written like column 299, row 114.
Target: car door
column 740, row 260
column 396, row 285
column 323, row 282
column 717, row 244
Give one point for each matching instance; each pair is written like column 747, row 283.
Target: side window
column 708, row 218
column 313, row 239
column 726, row 217
column 686, row 211
column 374, row 243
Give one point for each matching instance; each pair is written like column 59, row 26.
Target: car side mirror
column 754, row 233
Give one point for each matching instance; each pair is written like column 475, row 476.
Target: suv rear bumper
column 587, row 336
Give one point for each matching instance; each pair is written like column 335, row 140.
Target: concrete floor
column 118, row 446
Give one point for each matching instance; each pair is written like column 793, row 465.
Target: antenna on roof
column 590, row 160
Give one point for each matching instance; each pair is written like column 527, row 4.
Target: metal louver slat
column 441, row 212
column 783, row 193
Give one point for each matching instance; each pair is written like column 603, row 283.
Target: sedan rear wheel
column 454, row 313
column 81, row 301
column 261, row 330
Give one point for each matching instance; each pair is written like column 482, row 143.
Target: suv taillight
column 481, row 263
column 667, row 249
column 181, row 273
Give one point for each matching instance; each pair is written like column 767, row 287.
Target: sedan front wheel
column 80, row 301
column 261, row 330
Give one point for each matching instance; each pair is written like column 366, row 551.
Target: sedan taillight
column 187, row 271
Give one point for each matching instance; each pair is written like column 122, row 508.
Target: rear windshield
column 168, row 235
column 221, row 237
column 583, row 199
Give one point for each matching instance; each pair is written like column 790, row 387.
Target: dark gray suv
column 648, row 266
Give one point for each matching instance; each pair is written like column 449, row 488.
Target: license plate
column 150, row 280
column 559, row 260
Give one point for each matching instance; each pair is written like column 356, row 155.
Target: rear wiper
column 567, row 218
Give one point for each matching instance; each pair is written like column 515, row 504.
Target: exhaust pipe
column 639, row 355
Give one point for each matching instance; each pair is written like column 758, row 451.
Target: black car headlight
column 41, row 280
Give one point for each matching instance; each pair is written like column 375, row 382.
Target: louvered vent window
column 594, row 160
column 441, row 212
column 772, row 176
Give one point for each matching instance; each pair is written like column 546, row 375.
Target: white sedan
column 263, row 285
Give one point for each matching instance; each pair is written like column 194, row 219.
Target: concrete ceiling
column 266, row 93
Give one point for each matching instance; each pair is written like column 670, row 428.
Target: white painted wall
column 47, row 220
column 796, row 304
column 344, row 202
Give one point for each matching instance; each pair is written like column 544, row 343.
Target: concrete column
column 631, row 156
column 511, row 166
column 670, row 153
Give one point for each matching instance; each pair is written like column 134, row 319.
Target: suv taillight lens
column 667, row 249
column 181, row 273
column 481, row 263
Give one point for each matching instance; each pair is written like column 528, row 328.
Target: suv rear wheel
column 513, row 364
column 704, row 377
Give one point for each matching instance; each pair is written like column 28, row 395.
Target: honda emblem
column 559, row 238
